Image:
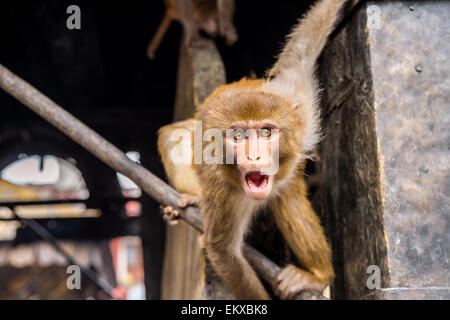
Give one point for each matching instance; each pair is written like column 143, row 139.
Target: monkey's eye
column 265, row 132
column 238, row 134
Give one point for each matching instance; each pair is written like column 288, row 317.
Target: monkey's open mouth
column 257, row 185
column 256, row 180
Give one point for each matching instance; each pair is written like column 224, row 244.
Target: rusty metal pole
column 117, row 160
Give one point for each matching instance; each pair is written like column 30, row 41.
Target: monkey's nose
column 257, row 158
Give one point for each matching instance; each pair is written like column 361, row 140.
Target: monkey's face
column 254, row 146
column 261, row 134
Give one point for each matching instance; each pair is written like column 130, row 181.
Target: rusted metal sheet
column 385, row 159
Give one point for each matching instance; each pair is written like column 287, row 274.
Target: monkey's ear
column 296, row 107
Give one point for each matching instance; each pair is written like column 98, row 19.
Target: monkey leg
column 230, row 34
column 302, row 230
column 228, row 31
column 225, row 20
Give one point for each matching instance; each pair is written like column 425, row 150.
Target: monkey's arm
column 223, row 239
column 302, row 230
column 186, row 14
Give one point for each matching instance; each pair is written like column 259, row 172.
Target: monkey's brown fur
column 212, row 16
column 288, row 98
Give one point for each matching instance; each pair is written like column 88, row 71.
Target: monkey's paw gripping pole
column 117, row 160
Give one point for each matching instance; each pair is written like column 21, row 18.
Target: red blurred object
column 133, row 208
column 119, row 293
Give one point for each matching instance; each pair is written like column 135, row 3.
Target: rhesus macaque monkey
column 211, row 16
column 269, row 120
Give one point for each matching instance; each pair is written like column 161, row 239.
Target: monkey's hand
column 171, row 215
column 188, row 200
column 293, row 280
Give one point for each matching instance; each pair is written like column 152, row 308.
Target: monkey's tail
column 159, row 35
column 307, row 39
column 293, row 75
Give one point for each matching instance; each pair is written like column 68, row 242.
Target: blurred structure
column 60, row 180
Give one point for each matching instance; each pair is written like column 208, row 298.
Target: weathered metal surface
column 409, row 56
column 385, row 158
